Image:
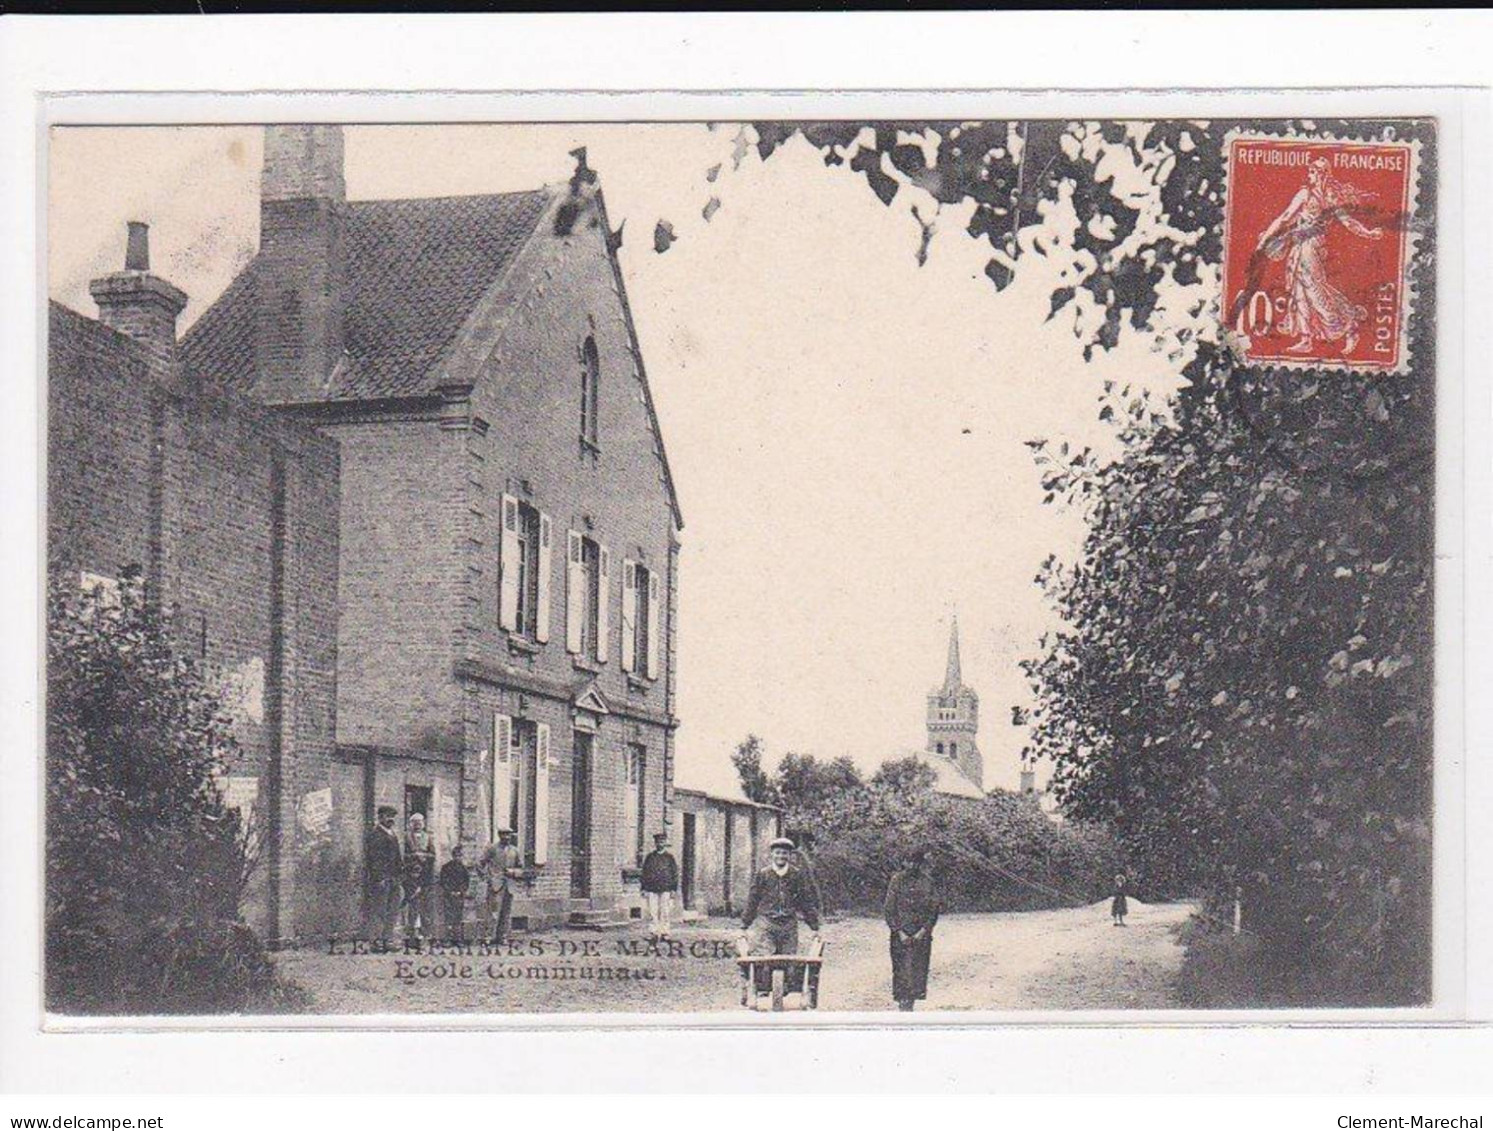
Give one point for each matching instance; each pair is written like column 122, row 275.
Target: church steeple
column 953, row 680
column 954, row 717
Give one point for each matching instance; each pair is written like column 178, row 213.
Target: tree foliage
column 1243, row 691
column 999, row 853
column 747, row 758
column 146, row 866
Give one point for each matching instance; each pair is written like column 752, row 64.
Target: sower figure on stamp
column 1316, row 310
column 383, row 865
column 912, row 908
column 454, row 880
column 780, row 894
column 419, row 878
column 660, row 882
column 500, row 863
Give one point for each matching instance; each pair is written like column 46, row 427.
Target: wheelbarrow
column 776, row 976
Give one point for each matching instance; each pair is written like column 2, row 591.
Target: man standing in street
column 780, row 894
column 500, row 864
column 383, row 862
column 660, row 882
column 912, row 908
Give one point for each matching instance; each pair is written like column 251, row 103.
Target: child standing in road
column 454, row 879
column 1119, row 907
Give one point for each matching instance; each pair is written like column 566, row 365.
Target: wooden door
column 580, row 816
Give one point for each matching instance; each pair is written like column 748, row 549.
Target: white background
column 783, row 53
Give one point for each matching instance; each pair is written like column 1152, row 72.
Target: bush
column 146, row 866
column 997, row 853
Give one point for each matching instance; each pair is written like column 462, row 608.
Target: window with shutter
column 603, row 598
column 629, row 615
column 502, row 774
column 542, row 581
column 641, row 615
column 509, row 557
column 575, row 594
column 541, row 793
column 653, row 639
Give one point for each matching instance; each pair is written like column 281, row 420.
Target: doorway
column 580, row 815
column 687, row 864
column 417, row 800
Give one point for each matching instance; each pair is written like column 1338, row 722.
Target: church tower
column 954, row 718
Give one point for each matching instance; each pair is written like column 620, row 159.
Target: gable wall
column 528, row 394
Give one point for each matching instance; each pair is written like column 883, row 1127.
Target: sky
column 846, row 428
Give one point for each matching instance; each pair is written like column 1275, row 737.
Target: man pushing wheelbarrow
column 767, row 950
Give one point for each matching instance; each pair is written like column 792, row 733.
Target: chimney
column 141, row 305
column 298, row 334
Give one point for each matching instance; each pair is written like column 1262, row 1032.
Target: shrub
column 997, row 853
column 145, row 865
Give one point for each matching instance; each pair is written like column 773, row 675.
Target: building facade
column 508, row 527
column 229, row 513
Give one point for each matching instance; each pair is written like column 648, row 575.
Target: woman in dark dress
column 1119, row 907
column 912, row 907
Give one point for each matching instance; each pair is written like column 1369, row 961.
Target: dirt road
column 1071, row 959
column 1060, row 960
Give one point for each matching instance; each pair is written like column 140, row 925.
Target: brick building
column 508, row 525
column 230, row 513
column 720, row 843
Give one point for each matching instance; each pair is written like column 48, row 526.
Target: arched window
column 590, row 392
column 953, row 750
column 940, row 747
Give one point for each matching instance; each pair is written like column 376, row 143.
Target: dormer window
column 590, row 395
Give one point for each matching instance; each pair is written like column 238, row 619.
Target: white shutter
column 542, row 611
column 502, row 773
column 603, row 597
column 575, row 592
column 653, row 602
column 629, row 615
column 542, row 795
column 508, row 565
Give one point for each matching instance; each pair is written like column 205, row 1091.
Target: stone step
column 609, row 919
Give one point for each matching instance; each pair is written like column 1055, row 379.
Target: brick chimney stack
column 141, row 305
column 298, row 337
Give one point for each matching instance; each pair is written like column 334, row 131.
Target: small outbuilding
column 720, row 843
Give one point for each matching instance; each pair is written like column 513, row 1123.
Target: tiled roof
column 951, row 779
column 415, row 270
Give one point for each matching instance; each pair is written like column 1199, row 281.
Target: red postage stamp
column 1317, row 246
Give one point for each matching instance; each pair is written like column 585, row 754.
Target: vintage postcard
column 838, row 566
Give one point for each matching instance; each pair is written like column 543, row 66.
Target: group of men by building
column 401, row 883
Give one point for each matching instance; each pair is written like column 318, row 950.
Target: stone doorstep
column 610, row 919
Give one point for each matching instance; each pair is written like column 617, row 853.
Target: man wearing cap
column 383, row 861
column 660, row 882
column 780, row 894
column 500, row 863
